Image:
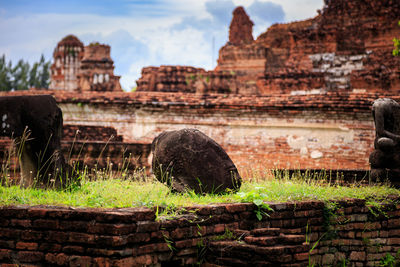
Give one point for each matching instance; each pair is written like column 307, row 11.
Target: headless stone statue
column 385, row 159
column 190, row 160
column 35, row 124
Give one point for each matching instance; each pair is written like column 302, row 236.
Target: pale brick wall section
column 253, row 140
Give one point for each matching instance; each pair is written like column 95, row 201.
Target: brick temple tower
column 83, row 68
column 67, row 57
column 97, row 70
column 241, row 28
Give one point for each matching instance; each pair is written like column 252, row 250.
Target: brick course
column 133, row 236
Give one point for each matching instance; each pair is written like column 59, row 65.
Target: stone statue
column 190, row 160
column 385, row 159
column 35, row 123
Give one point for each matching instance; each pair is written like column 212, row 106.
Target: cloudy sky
column 140, row 32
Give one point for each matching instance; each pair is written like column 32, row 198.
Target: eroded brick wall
column 332, row 51
column 331, row 131
column 223, row 234
column 306, row 131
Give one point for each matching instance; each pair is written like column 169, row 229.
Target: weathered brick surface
column 116, row 237
column 267, row 132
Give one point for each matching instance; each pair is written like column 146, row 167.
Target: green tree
column 5, row 75
column 22, row 76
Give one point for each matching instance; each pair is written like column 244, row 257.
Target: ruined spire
column 241, row 28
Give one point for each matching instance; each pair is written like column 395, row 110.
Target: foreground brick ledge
column 53, row 235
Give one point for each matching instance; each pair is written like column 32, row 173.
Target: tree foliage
column 23, row 76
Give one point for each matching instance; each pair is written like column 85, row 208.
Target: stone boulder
column 35, row 124
column 385, row 159
column 190, row 160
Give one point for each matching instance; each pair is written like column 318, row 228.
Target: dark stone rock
column 385, row 159
column 189, row 160
column 35, row 124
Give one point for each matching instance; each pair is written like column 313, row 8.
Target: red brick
column 125, row 262
column 50, row 247
column 111, row 240
column 21, row 223
column 79, row 261
column 4, row 222
column 31, row 235
column 30, row 256
column 301, row 256
column 109, row 252
column 146, row 249
column 394, row 232
column 393, row 241
column 180, row 233
column 10, row 233
column 73, row 249
column 5, row 254
column 357, row 256
column 26, row 246
column 37, row 212
column 393, row 223
column 219, row 228
column 104, row 262
column 236, row 207
column 112, row 229
column 81, row 238
column 45, row 224
column 77, row 226
column 139, row 237
column 56, row 259
column 147, row 226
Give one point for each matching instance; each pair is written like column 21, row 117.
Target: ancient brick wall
column 97, row 148
column 309, row 131
column 92, row 133
column 114, row 156
column 347, row 46
column 331, row 131
column 185, row 79
column 224, row 234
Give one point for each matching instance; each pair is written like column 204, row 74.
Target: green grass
column 117, row 189
column 117, row 193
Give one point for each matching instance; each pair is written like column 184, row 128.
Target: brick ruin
column 315, row 81
column 83, row 68
column 66, row 65
column 348, row 46
column 315, row 88
column 320, row 131
column 353, row 233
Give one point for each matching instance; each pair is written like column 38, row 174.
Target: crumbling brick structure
column 295, row 234
column 348, row 46
column 67, row 61
column 79, row 68
column 241, row 28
